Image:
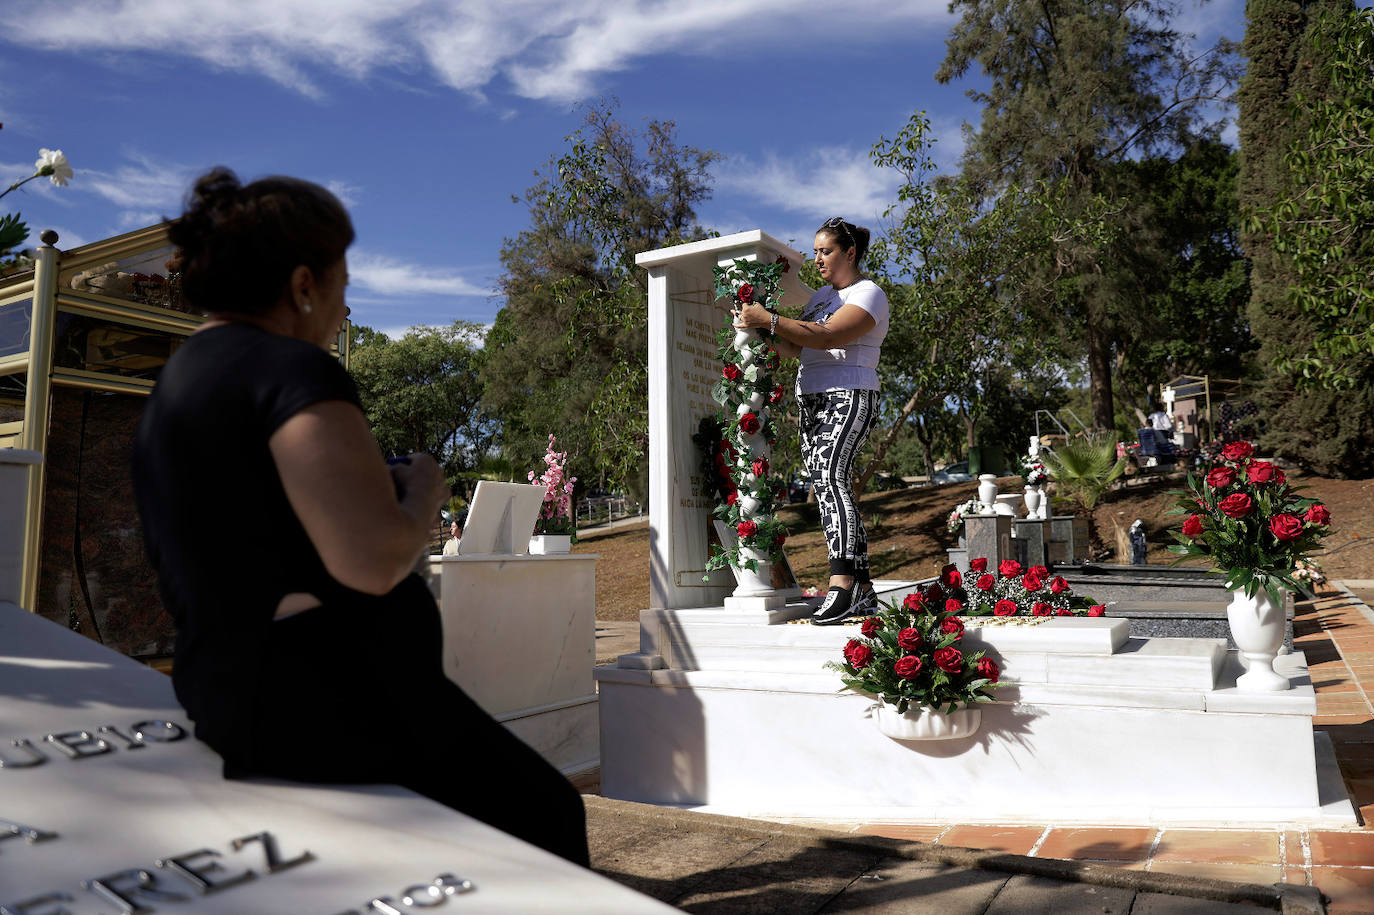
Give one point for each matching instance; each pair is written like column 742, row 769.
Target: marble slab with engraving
column 107, row 804
column 683, row 368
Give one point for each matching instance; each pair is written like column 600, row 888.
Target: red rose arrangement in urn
column 1246, row 517
column 1008, row 590
column 913, row 655
column 747, row 391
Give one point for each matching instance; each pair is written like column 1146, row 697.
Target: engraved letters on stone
column 21, row 753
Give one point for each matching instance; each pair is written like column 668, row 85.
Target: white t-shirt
column 854, row 366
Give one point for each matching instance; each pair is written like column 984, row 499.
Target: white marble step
column 1080, row 650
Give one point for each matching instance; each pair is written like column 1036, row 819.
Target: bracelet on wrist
column 773, row 325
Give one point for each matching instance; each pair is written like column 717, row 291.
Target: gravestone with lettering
column 683, row 368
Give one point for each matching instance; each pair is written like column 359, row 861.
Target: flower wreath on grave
column 1010, row 590
column 911, row 656
column 1249, row 520
column 1033, row 472
column 955, row 522
column 746, row 392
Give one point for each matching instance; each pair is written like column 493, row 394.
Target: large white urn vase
column 1257, row 626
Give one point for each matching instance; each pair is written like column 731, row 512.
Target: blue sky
column 425, row 116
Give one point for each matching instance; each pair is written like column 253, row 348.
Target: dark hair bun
column 240, row 243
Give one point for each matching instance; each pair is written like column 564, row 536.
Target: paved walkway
column 1336, row 631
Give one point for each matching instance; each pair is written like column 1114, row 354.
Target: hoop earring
column 305, row 307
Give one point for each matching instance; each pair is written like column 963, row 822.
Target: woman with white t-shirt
column 839, row 338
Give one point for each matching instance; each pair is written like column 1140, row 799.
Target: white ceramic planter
column 922, row 723
column 1032, row 497
column 1257, row 625
column 545, row 544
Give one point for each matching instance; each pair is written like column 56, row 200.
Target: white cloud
column 546, row 49
column 143, row 184
column 392, row 276
column 834, row 181
column 347, row 193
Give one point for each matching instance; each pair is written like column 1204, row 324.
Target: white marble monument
column 683, row 368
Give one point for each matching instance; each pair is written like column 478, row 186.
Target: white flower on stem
column 54, row 165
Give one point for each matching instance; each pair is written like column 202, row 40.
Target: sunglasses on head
column 835, row 222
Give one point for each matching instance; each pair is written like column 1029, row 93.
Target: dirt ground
column 907, row 536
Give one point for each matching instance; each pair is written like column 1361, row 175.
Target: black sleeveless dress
column 352, row 691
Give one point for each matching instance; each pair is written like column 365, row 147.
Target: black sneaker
column 836, row 607
column 866, row 604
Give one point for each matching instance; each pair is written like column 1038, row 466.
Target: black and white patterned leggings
column 834, row 426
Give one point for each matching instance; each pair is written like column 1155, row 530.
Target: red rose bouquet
column 1008, row 590
column 913, row 655
column 1249, row 520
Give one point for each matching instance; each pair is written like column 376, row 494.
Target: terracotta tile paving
column 1220, row 846
column 1343, row 848
column 1351, row 888
column 1014, row 840
column 1119, row 844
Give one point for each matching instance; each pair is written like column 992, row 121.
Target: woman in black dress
column 306, row 649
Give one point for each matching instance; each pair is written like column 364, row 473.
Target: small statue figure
column 1137, row 535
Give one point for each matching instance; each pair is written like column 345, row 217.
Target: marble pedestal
column 1092, row 726
column 1031, row 536
column 988, row 537
column 520, row 639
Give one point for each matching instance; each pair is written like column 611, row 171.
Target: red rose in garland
column 1041, row 609
column 1058, row 585
column 871, row 626
column 1260, row 472
column 770, row 358
column 1004, row 607
column 786, row 264
column 746, row 528
column 733, row 497
column 909, row 639
column 1237, row 451
column 1098, row 610
column 749, row 423
column 1063, row 611
column 953, row 605
column 759, row 467
column 858, row 654
column 908, row 667
column 950, row 660
column 950, row 577
column 1009, row 568
column 780, row 538
column 1237, row 505
column 915, row 602
column 1031, row 582
column 776, row 397
column 746, row 293
column 1039, row 572
column 951, row 626
column 985, row 582
column 1221, row 477
column 1192, row 527
column 732, row 372
column 978, row 565
column 988, row 669
column 1285, row 527
column 1318, row 514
